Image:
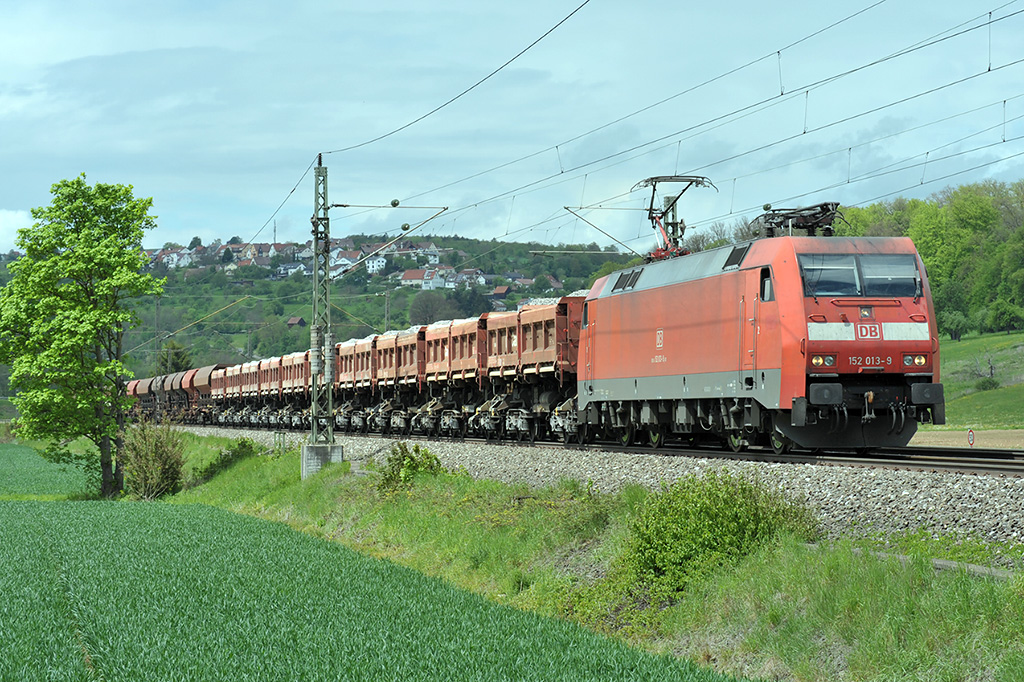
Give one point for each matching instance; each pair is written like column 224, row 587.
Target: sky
column 218, row 110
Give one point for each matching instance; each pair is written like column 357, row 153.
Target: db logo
column 660, row 338
column 869, row 331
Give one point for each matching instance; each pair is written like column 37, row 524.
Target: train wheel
column 624, row 436
column 588, row 434
column 531, row 434
column 656, row 437
column 736, row 442
column 780, row 444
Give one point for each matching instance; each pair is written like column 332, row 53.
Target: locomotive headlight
column 817, row 361
column 830, row 360
column 920, row 360
column 908, row 360
column 826, row 360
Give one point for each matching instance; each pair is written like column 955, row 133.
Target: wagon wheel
column 736, row 442
column 536, row 431
column 780, row 444
column 656, row 436
column 463, row 429
column 625, row 435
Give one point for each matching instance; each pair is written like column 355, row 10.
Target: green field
column 966, row 363
column 139, row 591
column 25, row 475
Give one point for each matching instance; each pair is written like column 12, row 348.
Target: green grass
column 481, row 535
column 1001, row 408
column 837, row 615
column 24, row 474
column 784, row 611
column 965, row 362
column 139, row 591
column 963, row 549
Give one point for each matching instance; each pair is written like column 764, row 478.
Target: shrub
column 404, row 463
column 701, row 523
column 986, row 384
column 153, row 459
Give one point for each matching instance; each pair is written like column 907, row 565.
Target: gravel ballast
column 848, row 500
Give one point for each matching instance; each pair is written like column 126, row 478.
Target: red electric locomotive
column 813, row 341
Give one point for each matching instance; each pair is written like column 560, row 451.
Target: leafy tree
column 64, row 314
column 431, row 306
column 1005, row 316
column 235, row 240
column 196, row 241
column 470, row 301
column 541, row 285
column 273, row 308
column 954, row 323
column 173, row 357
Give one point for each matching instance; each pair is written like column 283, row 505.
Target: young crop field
column 136, row 591
column 26, row 475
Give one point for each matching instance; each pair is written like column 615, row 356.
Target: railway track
column 991, row 462
column 953, row 460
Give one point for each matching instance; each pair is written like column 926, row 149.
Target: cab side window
column 767, row 290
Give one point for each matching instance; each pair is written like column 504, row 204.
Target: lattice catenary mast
column 321, row 351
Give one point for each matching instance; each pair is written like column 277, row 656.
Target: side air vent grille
column 627, row 280
column 736, row 257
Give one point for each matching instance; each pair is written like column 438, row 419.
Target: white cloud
column 10, row 223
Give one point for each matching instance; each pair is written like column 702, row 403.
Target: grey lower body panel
column 764, row 386
column 835, row 417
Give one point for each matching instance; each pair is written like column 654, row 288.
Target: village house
column 375, row 264
column 285, row 251
column 289, row 269
column 345, row 258
column 412, row 278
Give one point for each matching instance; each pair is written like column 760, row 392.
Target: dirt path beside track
column 983, row 438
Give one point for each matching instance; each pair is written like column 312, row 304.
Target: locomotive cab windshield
column 860, row 275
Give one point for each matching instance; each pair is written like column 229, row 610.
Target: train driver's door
column 587, row 330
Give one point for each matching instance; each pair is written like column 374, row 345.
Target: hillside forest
column 971, row 238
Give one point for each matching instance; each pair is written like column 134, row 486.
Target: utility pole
column 321, row 448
